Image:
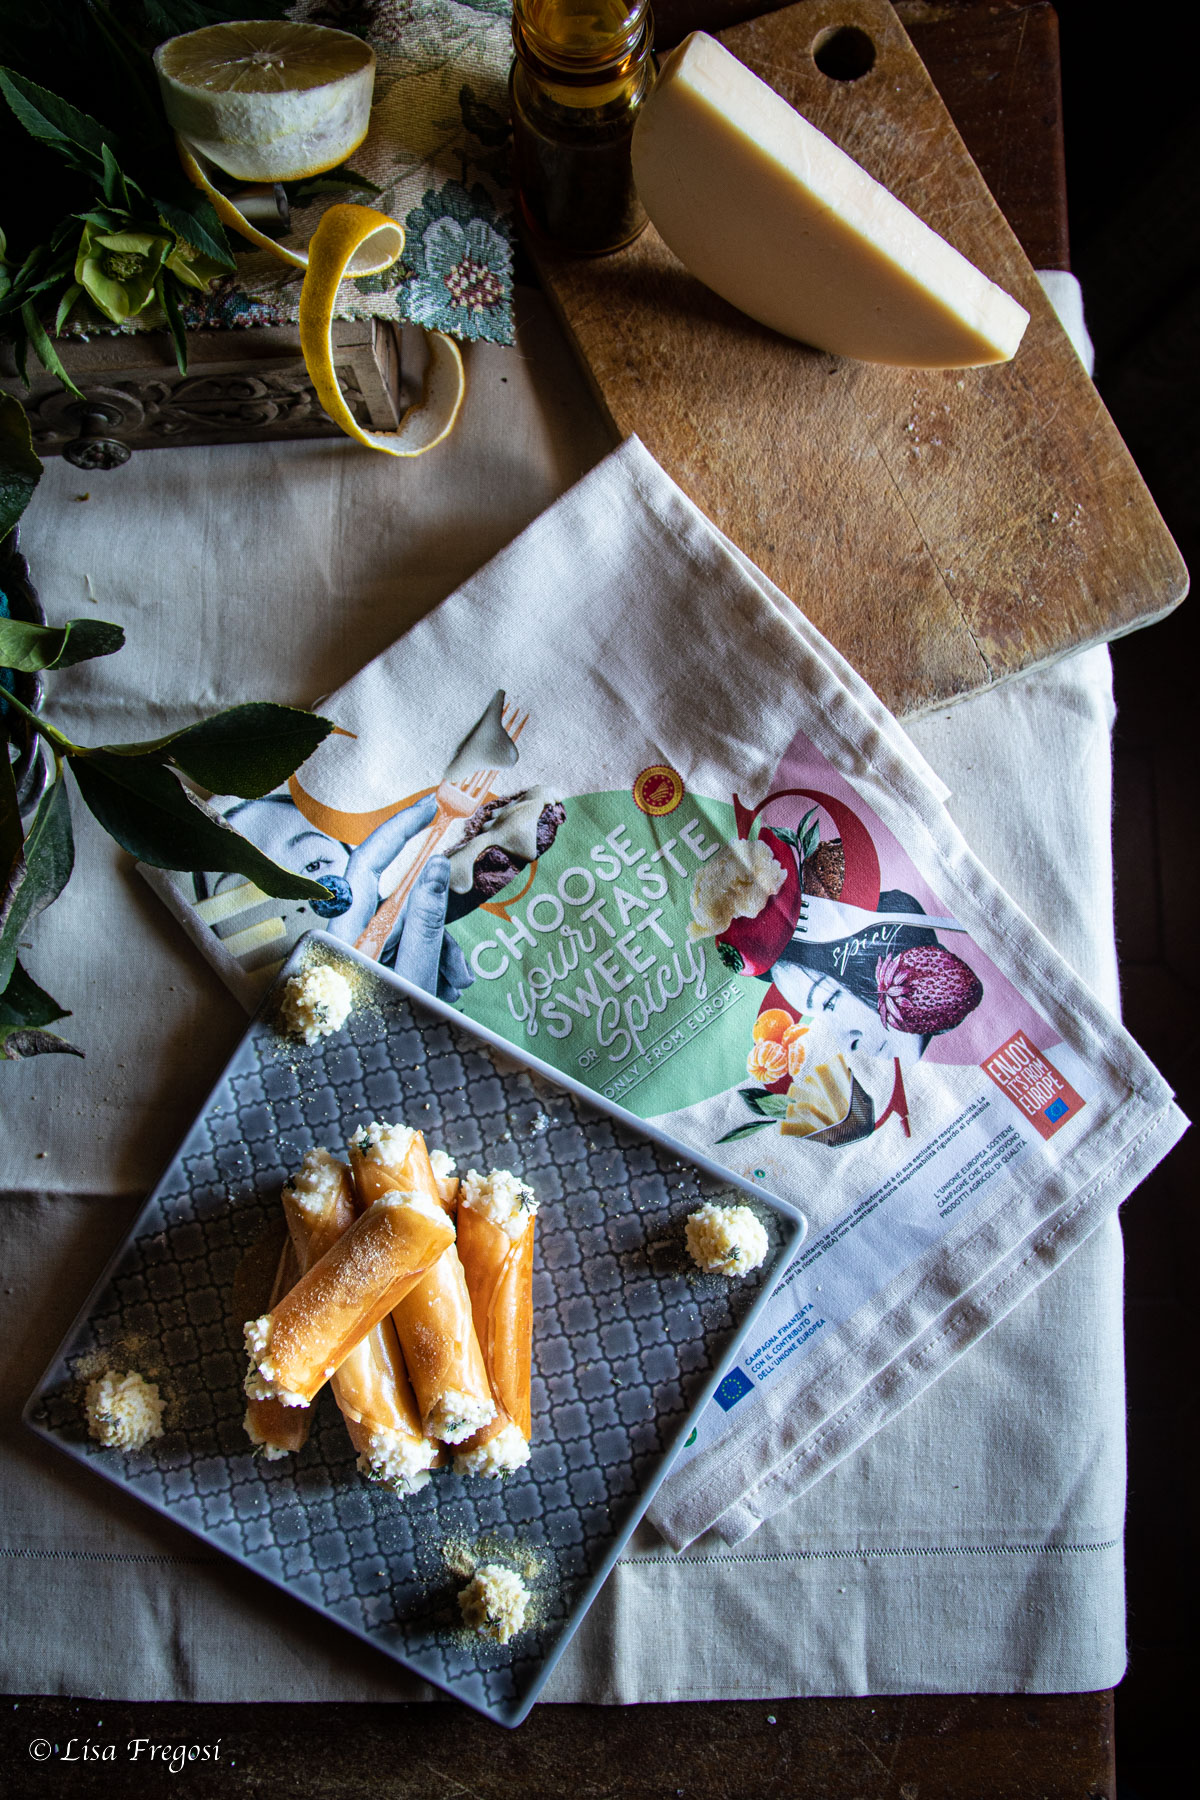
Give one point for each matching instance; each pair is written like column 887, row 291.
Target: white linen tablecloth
column 973, row 1545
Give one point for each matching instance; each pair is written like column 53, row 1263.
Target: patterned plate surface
column 630, row 1339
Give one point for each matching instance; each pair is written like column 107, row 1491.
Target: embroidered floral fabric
column 438, row 151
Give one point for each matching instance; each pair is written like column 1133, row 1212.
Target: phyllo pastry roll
column 434, row 1320
column 273, row 1428
column 436, row 1328
column 385, row 1157
column 373, row 1390
column 370, row 1385
column 295, row 1348
column 444, row 1173
column 496, row 1215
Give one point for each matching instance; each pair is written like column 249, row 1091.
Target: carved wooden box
column 241, row 387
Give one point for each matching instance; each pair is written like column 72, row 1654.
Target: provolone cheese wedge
column 771, row 215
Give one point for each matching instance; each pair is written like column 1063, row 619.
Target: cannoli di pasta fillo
column 273, row 1428
column 434, row 1319
column 296, row 1348
column 370, row 1385
column 496, row 1216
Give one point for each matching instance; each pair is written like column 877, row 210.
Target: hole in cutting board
column 844, row 53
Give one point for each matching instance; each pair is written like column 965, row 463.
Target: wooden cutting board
column 946, row 529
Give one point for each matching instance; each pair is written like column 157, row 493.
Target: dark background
column 1132, row 132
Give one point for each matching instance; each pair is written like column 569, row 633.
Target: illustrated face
column 854, row 1025
column 286, row 837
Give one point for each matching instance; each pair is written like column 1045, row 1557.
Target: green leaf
column 29, row 648
column 64, row 306
column 163, row 287
column 741, row 1131
column 47, row 354
column 12, row 838
column 146, row 809
column 24, row 1008
column 116, row 189
column 103, row 221
column 15, row 331
column 194, row 220
column 49, row 857
column 53, row 121
column 20, row 468
column 761, row 1100
column 247, row 750
column 334, row 181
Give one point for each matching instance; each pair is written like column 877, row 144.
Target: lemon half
column 267, row 100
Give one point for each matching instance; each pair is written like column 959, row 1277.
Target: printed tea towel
column 617, row 800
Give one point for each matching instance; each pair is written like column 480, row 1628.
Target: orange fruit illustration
column 771, row 1025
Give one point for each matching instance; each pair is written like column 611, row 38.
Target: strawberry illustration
column 926, row 990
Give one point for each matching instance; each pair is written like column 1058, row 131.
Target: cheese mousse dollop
column 316, row 1003
column 773, row 216
column 124, row 1412
column 495, row 1603
column 726, row 1240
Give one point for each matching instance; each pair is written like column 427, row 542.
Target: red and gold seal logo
column 658, row 790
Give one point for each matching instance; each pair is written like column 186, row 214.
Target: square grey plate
column 630, row 1339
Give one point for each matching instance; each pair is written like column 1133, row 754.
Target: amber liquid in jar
column 581, row 71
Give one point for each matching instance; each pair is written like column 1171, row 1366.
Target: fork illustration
column 456, row 801
column 826, row 921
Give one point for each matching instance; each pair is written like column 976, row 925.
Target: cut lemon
column 268, row 100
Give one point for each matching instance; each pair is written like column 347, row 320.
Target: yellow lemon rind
column 379, row 249
column 350, row 240
column 341, row 232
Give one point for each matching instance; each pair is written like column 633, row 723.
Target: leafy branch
column 136, row 791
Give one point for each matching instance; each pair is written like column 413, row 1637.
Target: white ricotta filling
column 398, row 1461
column 456, row 1416
column 424, row 1204
column 508, row 1450
column 500, row 1197
column 316, row 1182
column 260, row 1381
column 124, row 1412
column 316, row 1002
column 726, row 1240
column 495, row 1603
column 380, row 1142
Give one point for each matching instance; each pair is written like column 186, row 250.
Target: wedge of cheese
column 771, row 215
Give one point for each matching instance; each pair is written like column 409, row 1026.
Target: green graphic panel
column 593, row 968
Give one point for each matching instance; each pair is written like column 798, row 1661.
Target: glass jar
column 581, row 71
